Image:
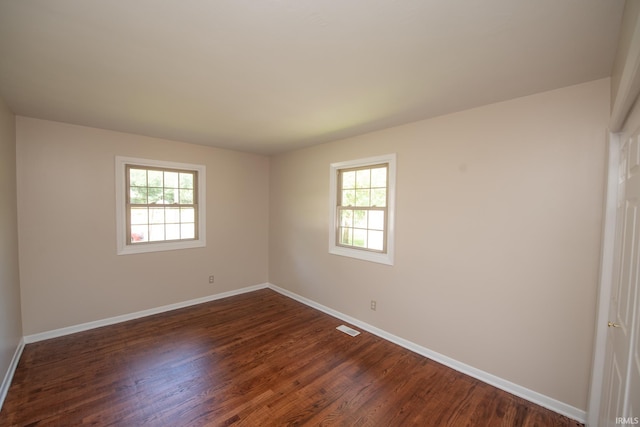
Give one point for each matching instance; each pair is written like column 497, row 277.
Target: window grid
column 161, row 204
column 362, row 207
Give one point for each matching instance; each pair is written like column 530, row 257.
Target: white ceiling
column 272, row 75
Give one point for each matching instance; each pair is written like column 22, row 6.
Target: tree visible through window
column 362, row 194
column 362, row 207
column 161, row 204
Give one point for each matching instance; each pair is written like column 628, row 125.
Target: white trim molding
column 523, row 392
column 606, row 277
column 8, row 377
column 131, row 316
column 334, row 248
column 530, row 395
column 122, row 248
column 629, row 86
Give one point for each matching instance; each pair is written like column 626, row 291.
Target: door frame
column 623, row 101
column 606, row 278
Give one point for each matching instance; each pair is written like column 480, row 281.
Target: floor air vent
column 347, row 330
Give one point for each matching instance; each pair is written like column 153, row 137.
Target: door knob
column 615, row 325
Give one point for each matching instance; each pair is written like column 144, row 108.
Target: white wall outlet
column 373, row 305
column 211, row 279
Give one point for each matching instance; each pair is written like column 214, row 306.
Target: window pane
column 155, row 195
column 138, row 177
column 379, row 177
column 155, row 178
column 360, row 219
column 186, row 197
column 173, row 231
column 348, row 198
column 172, row 215
column 188, row 231
column 156, row 216
column 156, row 203
column 363, row 178
column 349, row 179
column 139, row 216
column 171, row 179
column 186, row 180
column 187, row 215
column 346, row 218
column 346, row 235
column 379, row 197
column 362, row 198
column 139, row 233
column 169, row 196
column 138, row 195
column 376, row 241
column 376, row 220
column 362, row 193
column 156, row 232
column 360, row 238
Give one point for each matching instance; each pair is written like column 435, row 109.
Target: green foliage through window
column 161, row 205
column 362, row 206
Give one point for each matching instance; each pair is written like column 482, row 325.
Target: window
column 160, row 205
column 362, row 208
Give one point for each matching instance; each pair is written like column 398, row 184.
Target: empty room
column 309, row 212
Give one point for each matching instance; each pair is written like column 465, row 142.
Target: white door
column 620, row 402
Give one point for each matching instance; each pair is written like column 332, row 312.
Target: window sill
column 363, row 255
column 160, row 247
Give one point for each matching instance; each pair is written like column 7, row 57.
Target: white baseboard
column 123, row 318
column 525, row 393
column 8, row 377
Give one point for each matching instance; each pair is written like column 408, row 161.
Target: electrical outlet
column 211, row 279
column 373, row 305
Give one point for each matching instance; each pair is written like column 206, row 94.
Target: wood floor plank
column 257, row 359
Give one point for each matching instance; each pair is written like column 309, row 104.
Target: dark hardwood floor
column 257, row 359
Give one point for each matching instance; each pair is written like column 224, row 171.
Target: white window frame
column 363, row 254
column 121, row 222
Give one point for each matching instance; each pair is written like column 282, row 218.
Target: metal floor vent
column 347, row 330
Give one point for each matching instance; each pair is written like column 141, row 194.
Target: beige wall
column 498, row 236
column 10, row 319
column 70, row 273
